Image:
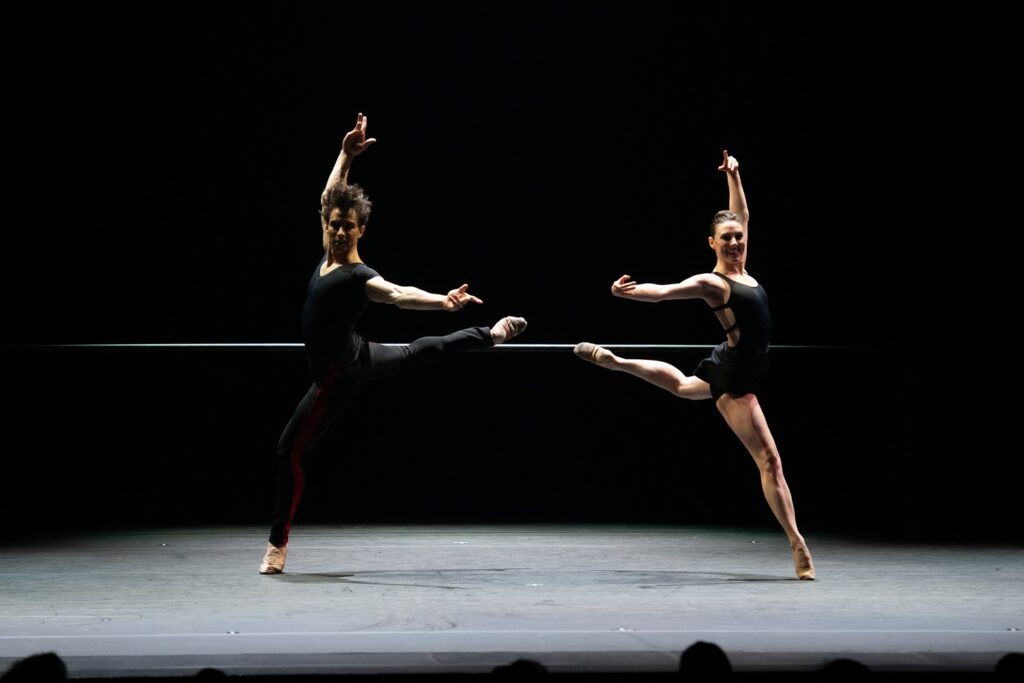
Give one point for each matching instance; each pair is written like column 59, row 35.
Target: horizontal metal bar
column 501, row 347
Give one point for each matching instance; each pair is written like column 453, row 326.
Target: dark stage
column 166, row 164
column 617, row 599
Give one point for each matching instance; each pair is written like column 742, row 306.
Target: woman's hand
column 729, row 164
column 623, row 287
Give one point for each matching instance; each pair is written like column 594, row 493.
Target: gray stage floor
column 466, row 599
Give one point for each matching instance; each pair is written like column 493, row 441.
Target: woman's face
column 729, row 242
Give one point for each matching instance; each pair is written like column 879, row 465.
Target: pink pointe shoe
column 593, row 353
column 803, row 562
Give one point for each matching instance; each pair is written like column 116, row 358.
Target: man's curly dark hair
column 345, row 197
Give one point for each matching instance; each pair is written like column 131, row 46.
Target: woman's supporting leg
column 744, row 416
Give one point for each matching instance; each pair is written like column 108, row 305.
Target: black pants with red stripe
column 328, row 397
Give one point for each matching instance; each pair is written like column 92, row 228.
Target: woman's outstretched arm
column 700, row 286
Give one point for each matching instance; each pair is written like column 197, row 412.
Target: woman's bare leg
column 747, row 421
column 663, row 375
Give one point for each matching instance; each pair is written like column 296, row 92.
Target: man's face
column 343, row 230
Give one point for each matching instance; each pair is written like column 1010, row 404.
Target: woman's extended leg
column 660, row 374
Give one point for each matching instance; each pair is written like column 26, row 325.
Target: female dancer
column 732, row 372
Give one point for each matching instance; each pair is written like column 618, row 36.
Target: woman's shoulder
column 744, row 279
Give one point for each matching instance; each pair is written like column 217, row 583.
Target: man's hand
column 356, row 142
column 457, row 298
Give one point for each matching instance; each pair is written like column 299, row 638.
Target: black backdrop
column 166, row 170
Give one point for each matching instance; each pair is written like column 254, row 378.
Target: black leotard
column 737, row 370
